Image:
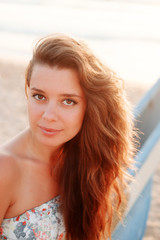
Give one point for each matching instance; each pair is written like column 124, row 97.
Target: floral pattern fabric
column 44, row 222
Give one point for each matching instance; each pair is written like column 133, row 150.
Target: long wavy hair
column 93, row 165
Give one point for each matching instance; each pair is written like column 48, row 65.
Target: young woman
column 63, row 176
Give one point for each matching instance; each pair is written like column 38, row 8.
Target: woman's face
column 56, row 104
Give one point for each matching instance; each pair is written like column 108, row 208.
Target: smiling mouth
column 49, row 131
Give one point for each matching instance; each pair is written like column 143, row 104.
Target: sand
column 13, row 119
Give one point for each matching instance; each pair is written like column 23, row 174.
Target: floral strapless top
column 44, row 222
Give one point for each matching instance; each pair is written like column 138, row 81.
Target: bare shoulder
column 16, row 144
column 8, row 166
column 9, row 178
column 8, row 175
column 8, row 172
column 11, row 154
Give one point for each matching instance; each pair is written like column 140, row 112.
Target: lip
column 49, row 131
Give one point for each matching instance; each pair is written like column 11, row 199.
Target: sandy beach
column 13, row 119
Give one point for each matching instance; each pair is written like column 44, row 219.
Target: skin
column 56, row 109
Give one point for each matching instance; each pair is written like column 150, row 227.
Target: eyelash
column 70, row 100
column 39, row 95
column 73, row 102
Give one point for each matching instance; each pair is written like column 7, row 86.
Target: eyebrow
column 38, row 90
column 63, row 94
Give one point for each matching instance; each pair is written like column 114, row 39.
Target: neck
column 40, row 152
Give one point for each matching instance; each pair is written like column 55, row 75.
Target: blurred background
column 124, row 34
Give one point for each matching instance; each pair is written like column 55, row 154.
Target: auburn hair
column 94, row 164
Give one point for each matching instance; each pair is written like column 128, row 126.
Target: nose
column 50, row 112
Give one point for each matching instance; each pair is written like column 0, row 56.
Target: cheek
column 34, row 112
column 76, row 119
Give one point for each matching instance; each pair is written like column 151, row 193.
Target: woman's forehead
column 53, row 78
